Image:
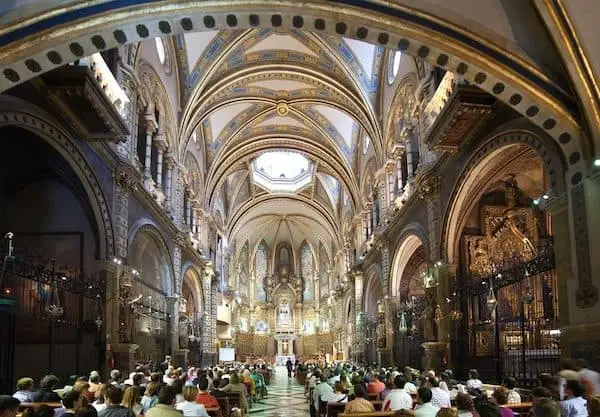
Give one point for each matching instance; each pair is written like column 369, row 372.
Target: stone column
column 161, row 146
column 399, row 176
column 150, row 128
column 188, row 208
column 359, row 345
column 170, row 163
column 194, row 228
column 366, row 224
column 390, row 180
column 128, row 80
column 409, row 162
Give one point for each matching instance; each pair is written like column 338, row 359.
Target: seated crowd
column 573, row 392
column 149, row 391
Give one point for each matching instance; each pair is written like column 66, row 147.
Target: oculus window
column 282, row 171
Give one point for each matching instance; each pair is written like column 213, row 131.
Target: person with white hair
column 115, row 378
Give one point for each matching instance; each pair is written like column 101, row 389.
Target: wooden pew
column 214, row 412
column 232, row 400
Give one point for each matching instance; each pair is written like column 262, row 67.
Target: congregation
column 162, row 390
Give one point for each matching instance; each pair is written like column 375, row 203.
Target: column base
column 581, row 341
column 124, row 356
column 435, row 355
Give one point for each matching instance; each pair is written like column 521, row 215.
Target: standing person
column 289, row 365
column 375, row 386
column 513, row 396
column 440, row 398
column 204, row 397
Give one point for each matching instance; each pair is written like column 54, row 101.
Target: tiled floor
column 285, row 399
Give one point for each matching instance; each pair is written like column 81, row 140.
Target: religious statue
column 429, row 326
column 183, row 332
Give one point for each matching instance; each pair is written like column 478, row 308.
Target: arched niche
column 149, row 254
column 411, row 240
column 492, row 162
column 193, row 293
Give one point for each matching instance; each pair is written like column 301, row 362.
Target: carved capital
column 179, row 239
column 126, row 177
column 169, row 160
column 428, row 186
column 390, row 166
column 150, row 124
column 397, row 151
column 160, row 141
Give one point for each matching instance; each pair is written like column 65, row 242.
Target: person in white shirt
column 589, row 377
column 574, row 405
column 474, row 382
column 513, row 396
column 25, row 392
column 425, row 408
column 321, row 389
column 439, row 397
column 398, row 398
column 189, row 407
column 336, row 396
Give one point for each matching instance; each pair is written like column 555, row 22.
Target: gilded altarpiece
column 512, row 255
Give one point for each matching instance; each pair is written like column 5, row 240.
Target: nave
column 285, row 398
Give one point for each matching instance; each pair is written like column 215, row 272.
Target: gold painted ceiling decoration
column 261, row 91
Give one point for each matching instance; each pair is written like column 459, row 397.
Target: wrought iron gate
column 45, row 307
column 511, row 318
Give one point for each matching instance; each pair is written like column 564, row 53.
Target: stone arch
column 498, row 69
column 192, row 277
column 373, row 289
column 154, row 95
column 411, row 238
column 147, row 228
column 471, row 178
column 406, row 88
column 14, row 112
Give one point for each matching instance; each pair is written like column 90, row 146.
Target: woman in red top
column 203, row 396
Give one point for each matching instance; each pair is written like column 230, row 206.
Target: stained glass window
column 260, row 266
column 324, row 267
column 307, row 273
column 243, row 271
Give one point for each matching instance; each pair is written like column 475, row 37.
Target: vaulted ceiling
column 280, row 119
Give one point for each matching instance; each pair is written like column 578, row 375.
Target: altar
column 281, row 360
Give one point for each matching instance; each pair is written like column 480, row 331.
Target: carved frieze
column 465, row 112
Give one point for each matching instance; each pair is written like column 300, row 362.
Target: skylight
column 282, row 171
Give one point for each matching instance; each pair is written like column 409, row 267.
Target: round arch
column 410, row 240
column 191, row 278
column 479, row 164
column 40, row 43
column 147, row 246
column 284, row 141
column 14, row 112
column 373, row 289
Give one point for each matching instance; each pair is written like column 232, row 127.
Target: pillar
column 359, row 342
column 170, row 163
column 575, row 224
column 150, row 128
column 409, row 161
column 188, row 209
column 399, row 176
column 390, row 180
column 161, row 146
column 194, row 219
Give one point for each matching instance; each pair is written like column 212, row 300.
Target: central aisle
column 285, row 399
